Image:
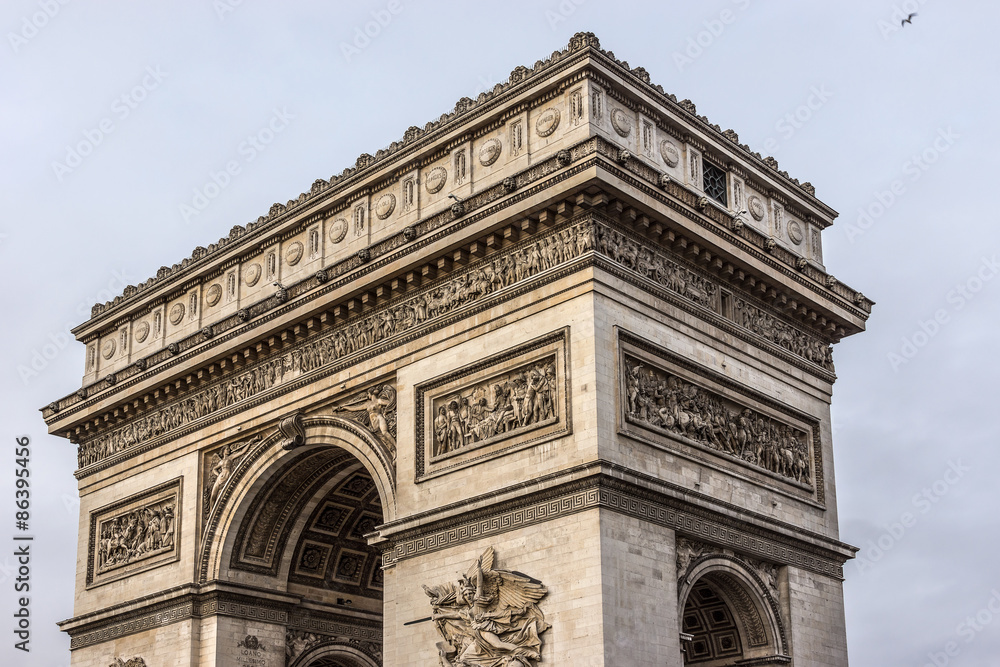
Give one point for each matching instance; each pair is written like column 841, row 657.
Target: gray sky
column 902, row 125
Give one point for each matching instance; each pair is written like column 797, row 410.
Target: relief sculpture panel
column 505, row 402
column 689, row 411
column 134, row 534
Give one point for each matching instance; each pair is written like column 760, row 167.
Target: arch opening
column 728, row 618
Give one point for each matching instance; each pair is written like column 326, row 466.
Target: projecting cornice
column 420, row 146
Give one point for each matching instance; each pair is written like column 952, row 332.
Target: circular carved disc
column 293, row 253
column 795, row 232
column 621, row 122
column 252, row 275
column 141, row 331
column 489, row 152
column 436, row 178
column 338, row 230
column 213, row 294
column 177, row 313
column 671, row 156
column 756, row 207
column 547, row 122
column 109, row 348
column 385, row 205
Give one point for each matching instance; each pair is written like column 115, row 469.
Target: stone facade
column 547, row 381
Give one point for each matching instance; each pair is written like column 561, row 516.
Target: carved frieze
column 502, row 403
column 135, row 534
column 668, row 403
column 481, row 279
column 489, row 617
column 298, row 642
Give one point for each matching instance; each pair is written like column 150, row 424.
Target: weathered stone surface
column 551, row 386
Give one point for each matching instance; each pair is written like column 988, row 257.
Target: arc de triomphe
column 547, row 381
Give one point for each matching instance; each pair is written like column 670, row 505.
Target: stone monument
column 546, row 381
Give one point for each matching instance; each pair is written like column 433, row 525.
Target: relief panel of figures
column 134, row 535
column 663, row 401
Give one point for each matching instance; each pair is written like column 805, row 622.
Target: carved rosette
column 486, row 596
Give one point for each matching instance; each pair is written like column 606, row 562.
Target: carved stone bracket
column 293, row 432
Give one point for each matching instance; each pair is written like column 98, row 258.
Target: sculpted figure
column 490, row 618
column 222, row 467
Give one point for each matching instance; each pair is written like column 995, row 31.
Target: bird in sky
column 907, row 20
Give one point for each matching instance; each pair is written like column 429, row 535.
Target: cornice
column 324, row 193
column 477, row 207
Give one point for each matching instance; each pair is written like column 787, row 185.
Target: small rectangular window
column 714, row 182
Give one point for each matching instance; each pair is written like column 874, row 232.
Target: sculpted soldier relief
column 138, row 534
column 665, row 402
column 134, row 534
column 490, row 618
column 525, row 397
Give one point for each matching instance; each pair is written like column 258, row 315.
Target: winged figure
column 221, row 468
column 489, row 618
column 378, row 412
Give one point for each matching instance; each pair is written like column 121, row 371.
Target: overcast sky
column 899, row 123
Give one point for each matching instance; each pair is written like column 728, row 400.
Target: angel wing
column 483, row 564
column 443, row 595
column 517, row 591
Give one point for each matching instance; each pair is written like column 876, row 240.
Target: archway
column 728, row 617
column 293, row 520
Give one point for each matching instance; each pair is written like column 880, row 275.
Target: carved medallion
column 293, row 253
column 506, row 602
column 213, row 294
column 252, row 274
column 795, row 232
column 436, row 179
column 385, row 205
column 141, row 331
column 338, row 230
column 547, row 122
column 668, row 151
column 177, row 313
column 108, row 350
column 756, row 207
column 621, row 122
column 489, row 152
